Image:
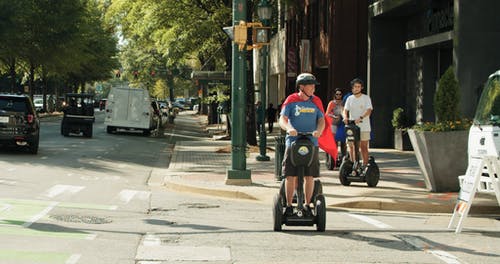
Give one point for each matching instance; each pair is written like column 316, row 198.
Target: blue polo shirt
column 303, row 116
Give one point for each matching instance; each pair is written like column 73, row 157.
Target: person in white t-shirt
column 358, row 108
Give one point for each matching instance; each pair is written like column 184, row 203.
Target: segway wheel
column 340, row 157
column 330, row 163
column 344, row 171
column 283, row 193
column 372, row 175
column 320, row 209
column 318, row 188
column 277, row 212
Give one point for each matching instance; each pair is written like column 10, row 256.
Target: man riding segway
column 357, row 111
column 303, row 119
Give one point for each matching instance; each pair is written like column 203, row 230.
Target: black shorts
column 290, row 170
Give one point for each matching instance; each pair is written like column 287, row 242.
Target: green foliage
column 447, row 97
column 399, row 120
column 64, row 39
column 443, row 126
column 160, row 90
column 446, row 101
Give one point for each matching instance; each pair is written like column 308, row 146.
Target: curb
column 411, row 207
column 207, row 191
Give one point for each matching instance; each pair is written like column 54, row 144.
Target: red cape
column 326, row 141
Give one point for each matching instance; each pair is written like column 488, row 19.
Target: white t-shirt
column 357, row 107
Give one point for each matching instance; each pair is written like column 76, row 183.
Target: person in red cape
column 304, row 112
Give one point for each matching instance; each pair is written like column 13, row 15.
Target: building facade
column 325, row 37
column 413, row 42
column 400, row 47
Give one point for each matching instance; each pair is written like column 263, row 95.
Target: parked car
column 19, row 123
column 38, row 102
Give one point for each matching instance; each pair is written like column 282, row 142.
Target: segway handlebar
column 304, row 133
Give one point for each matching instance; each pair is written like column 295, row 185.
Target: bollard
column 279, row 153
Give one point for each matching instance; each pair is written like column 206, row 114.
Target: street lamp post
column 264, row 11
column 238, row 174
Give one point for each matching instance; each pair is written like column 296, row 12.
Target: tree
column 179, row 31
column 447, row 97
column 63, row 38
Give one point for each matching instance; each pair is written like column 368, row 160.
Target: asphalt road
column 88, row 201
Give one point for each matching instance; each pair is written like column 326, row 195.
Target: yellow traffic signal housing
column 240, row 34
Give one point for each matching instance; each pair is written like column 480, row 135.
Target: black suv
column 19, row 123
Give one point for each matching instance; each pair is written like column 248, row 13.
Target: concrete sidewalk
column 200, row 167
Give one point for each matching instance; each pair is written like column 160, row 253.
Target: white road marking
column 151, row 240
column 370, row 221
column 426, row 247
column 60, row 189
column 73, row 259
column 41, row 214
column 5, row 207
column 127, row 195
column 91, row 237
column 182, row 253
column 8, row 182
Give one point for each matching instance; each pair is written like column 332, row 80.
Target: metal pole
column 263, row 88
column 238, row 174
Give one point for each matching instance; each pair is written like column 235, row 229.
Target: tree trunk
column 31, row 82
column 12, row 73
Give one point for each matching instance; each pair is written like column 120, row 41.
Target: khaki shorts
column 365, row 136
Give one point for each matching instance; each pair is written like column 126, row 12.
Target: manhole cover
column 199, row 205
column 81, row 219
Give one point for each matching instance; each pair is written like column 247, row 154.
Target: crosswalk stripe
column 151, row 240
column 59, row 189
column 5, row 207
column 40, row 215
column 17, row 215
column 73, row 259
column 8, row 182
column 127, row 195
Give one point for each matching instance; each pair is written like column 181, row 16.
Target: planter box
column 442, row 157
column 402, row 140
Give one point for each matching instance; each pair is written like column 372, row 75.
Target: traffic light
column 260, row 35
column 238, row 34
column 136, row 74
column 118, row 74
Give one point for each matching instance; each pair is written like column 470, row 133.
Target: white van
column 130, row 108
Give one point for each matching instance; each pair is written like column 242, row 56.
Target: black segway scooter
column 353, row 171
column 330, row 163
column 302, row 153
